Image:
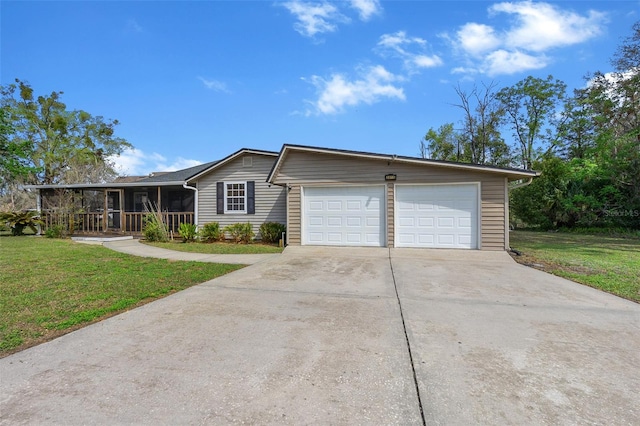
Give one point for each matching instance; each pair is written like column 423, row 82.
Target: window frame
column 244, row 197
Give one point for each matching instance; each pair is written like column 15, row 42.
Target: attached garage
column 344, row 216
column 437, row 216
column 352, row 198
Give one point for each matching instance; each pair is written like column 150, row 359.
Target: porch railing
column 129, row 223
column 134, row 222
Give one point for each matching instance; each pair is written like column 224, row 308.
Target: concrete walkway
column 136, row 248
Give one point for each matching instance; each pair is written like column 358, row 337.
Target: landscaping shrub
column 271, row 232
column 211, row 232
column 240, row 232
column 188, row 232
column 154, row 228
column 56, row 231
column 20, row 220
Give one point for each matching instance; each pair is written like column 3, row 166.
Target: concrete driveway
column 344, row 336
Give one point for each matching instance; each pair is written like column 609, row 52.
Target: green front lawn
column 50, row 287
column 219, row 248
column 608, row 263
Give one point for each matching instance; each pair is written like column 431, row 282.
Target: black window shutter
column 251, row 197
column 220, row 197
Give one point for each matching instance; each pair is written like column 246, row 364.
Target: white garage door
column 437, row 216
column 344, row 216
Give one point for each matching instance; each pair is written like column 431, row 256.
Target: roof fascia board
column 105, row 185
column 393, row 158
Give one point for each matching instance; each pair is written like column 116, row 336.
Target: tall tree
column 14, row 155
column 480, row 126
column 575, row 127
column 615, row 101
column 55, row 139
column 528, row 107
column 442, row 144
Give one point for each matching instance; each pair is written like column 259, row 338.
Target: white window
column 235, row 197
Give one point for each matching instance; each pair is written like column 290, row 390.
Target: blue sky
column 193, row 81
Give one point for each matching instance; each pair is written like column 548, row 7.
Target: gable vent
column 247, row 161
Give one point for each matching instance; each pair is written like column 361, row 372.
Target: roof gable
column 228, row 159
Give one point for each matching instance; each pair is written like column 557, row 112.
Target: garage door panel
column 316, row 206
column 354, row 221
column 352, row 216
column 425, row 222
column 354, row 205
column 334, row 205
column 437, row 216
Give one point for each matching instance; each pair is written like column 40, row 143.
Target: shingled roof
column 178, row 175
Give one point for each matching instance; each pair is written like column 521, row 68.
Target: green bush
column 20, row 220
column 188, row 232
column 271, row 232
column 154, row 228
column 240, row 232
column 211, row 232
column 56, row 231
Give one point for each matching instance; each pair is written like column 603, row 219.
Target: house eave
column 109, row 185
column 512, row 174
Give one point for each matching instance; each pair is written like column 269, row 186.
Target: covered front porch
column 103, row 209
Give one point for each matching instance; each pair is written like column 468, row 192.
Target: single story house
column 325, row 197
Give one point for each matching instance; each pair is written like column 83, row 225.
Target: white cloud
column 135, row 162
column 510, row 62
column 540, row 26
column 477, row 38
column 366, row 8
column 400, row 45
column 523, row 44
column 374, row 84
column 216, row 85
column 314, row 18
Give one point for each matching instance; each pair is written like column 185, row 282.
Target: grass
column 219, row 248
column 609, row 263
column 50, row 287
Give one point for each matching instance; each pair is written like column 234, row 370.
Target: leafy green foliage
column 51, row 141
column 574, row 193
column 14, row 154
column 20, row 220
column 188, row 232
column 271, row 232
column 240, row 232
column 211, row 232
column 154, row 228
column 56, row 231
column 528, row 106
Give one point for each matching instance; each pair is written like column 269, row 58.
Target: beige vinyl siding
column 493, row 214
column 306, row 168
column 295, row 215
column 390, row 214
column 269, row 201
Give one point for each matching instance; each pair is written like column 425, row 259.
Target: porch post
column 159, row 199
column 105, row 211
column 121, row 205
column 39, row 209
